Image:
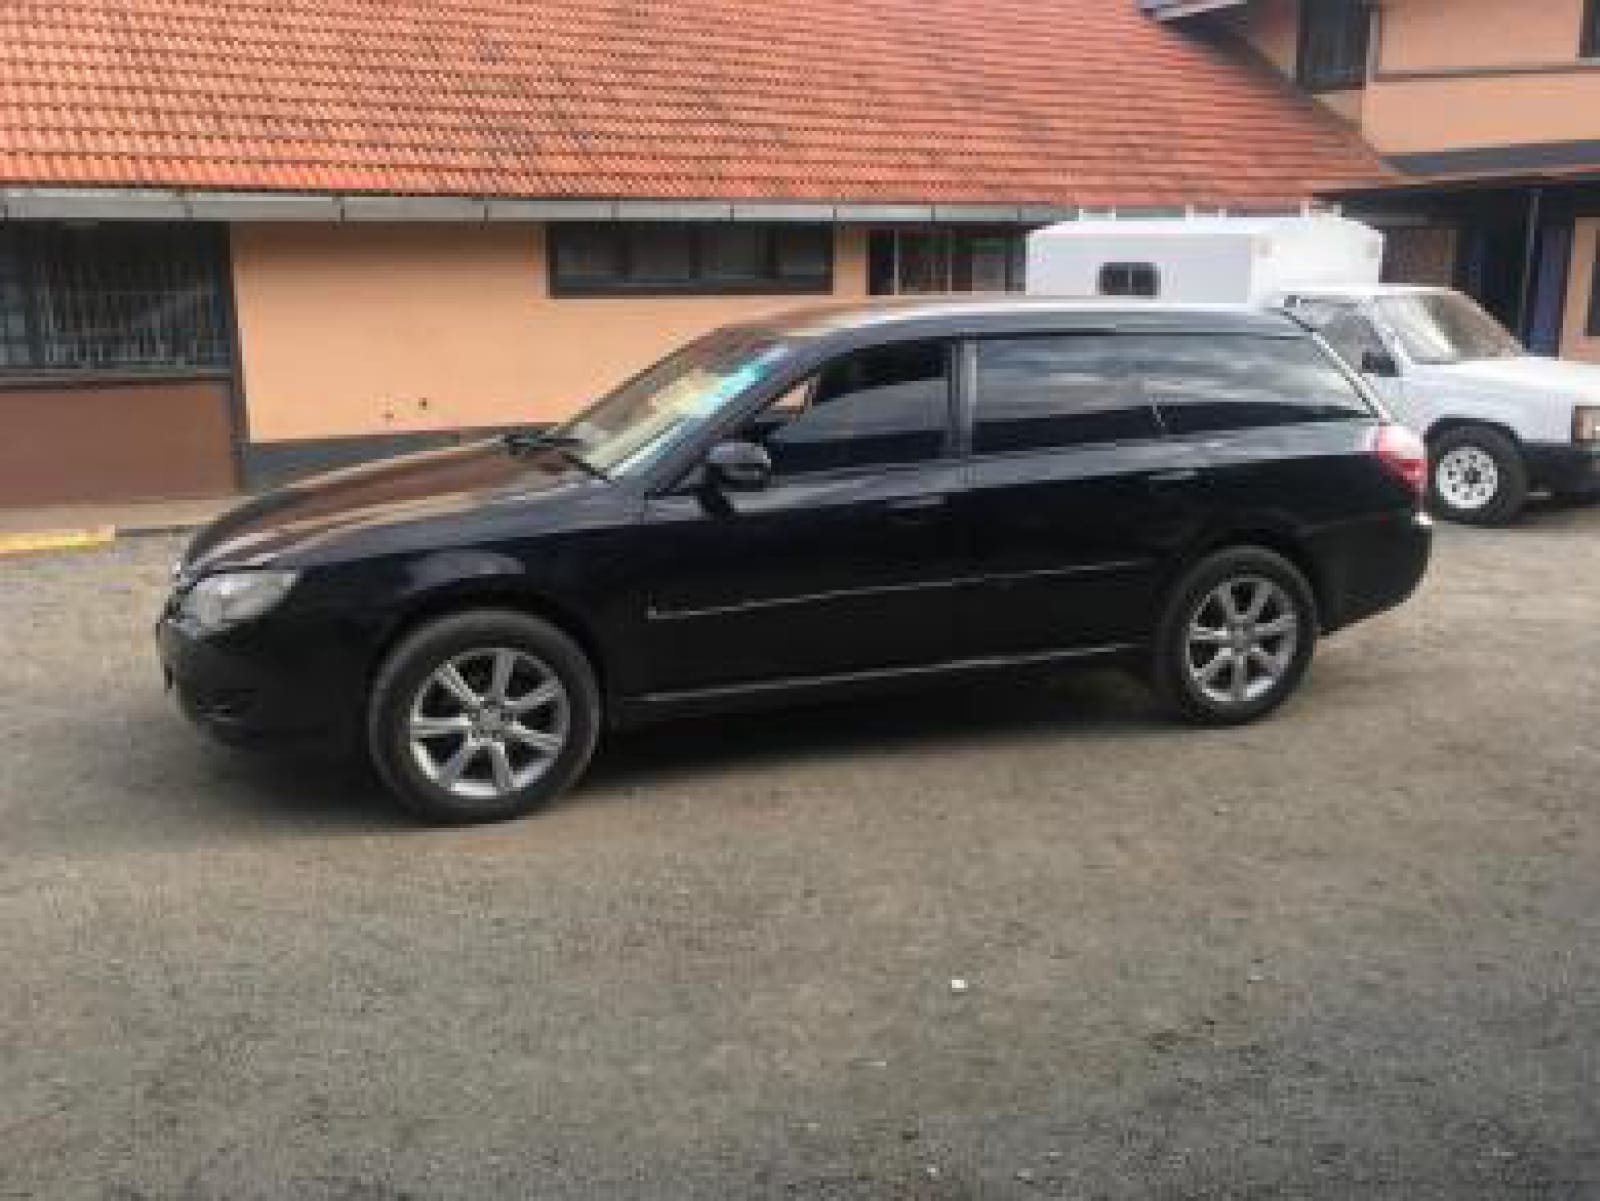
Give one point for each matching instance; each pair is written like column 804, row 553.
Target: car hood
column 1557, row 379
column 465, row 481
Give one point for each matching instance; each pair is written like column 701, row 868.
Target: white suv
column 1498, row 421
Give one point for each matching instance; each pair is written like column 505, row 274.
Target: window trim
column 698, row 284
column 1349, row 76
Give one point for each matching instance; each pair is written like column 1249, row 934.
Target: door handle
column 1169, row 479
column 913, row 508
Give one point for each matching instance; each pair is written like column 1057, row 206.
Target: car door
column 1076, row 501
column 844, row 562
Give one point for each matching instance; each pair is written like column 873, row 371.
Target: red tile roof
column 1016, row 101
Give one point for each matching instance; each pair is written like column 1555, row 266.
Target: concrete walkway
column 62, row 527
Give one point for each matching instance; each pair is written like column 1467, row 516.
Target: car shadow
column 1098, row 703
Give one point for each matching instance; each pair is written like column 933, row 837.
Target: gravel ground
column 1351, row 952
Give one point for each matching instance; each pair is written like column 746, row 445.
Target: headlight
column 1586, row 423
column 219, row 602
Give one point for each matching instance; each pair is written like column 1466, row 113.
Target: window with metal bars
column 666, row 259
column 111, row 298
column 1333, row 44
column 917, row 261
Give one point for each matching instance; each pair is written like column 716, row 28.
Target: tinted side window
column 1349, row 333
column 1051, row 391
column 1205, row 382
column 877, row 407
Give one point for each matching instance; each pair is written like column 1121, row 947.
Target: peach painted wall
column 1428, row 34
column 1576, row 342
column 364, row 329
column 1407, row 116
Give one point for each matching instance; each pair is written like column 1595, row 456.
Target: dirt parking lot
column 1352, row 952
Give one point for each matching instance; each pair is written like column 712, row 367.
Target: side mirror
column 739, row 466
column 1380, row 363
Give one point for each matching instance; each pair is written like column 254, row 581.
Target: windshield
column 1445, row 327
column 633, row 426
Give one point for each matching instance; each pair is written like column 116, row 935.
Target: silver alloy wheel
column 1241, row 640
column 489, row 723
column 1467, row 477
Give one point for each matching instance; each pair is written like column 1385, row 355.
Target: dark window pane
column 1333, row 43
column 659, row 254
column 980, row 262
column 1203, row 382
column 623, row 258
column 586, row 252
column 1591, row 30
column 1130, row 279
column 887, row 405
column 1594, row 297
column 1043, row 392
column 737, row 253
column 804, row 252
column 924, row 262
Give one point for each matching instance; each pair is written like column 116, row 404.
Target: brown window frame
column 625, row 279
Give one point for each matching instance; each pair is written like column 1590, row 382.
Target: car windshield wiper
column 521, row 441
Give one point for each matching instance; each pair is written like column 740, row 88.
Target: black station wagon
column 828, row 501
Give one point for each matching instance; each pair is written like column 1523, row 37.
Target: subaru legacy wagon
column 825, row 502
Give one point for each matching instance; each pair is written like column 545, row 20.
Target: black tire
column 1177, row 659
column 1507, row 492
column 407, row 685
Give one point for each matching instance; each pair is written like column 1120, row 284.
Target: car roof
column 1362, row 291
column 953, row 315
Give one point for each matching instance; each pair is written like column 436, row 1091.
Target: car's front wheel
column 1477, row 476
column 482, row 716
column 1236, row 637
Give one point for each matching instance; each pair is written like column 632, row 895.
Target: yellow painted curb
column 48, row 540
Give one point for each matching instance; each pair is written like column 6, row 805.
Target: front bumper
column 245, row 692
column 1564, row 466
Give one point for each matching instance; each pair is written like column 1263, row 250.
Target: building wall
column 1433, row 34
column 385, row 329
column 1411, row 116
column 1576, row 342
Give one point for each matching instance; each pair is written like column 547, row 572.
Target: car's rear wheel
column 1476, row 476
column 1236, row 637
column 482, row 716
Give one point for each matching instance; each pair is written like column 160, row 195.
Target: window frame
column 1589, row 35
column 1317, row 77
column 698, row 283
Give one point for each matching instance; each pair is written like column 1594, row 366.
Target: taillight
column 1404, row 454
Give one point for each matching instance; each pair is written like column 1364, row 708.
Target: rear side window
column 1037, row 393
column 1205, row 382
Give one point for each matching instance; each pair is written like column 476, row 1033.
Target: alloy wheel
column 488, row 723
column 1241, row 640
